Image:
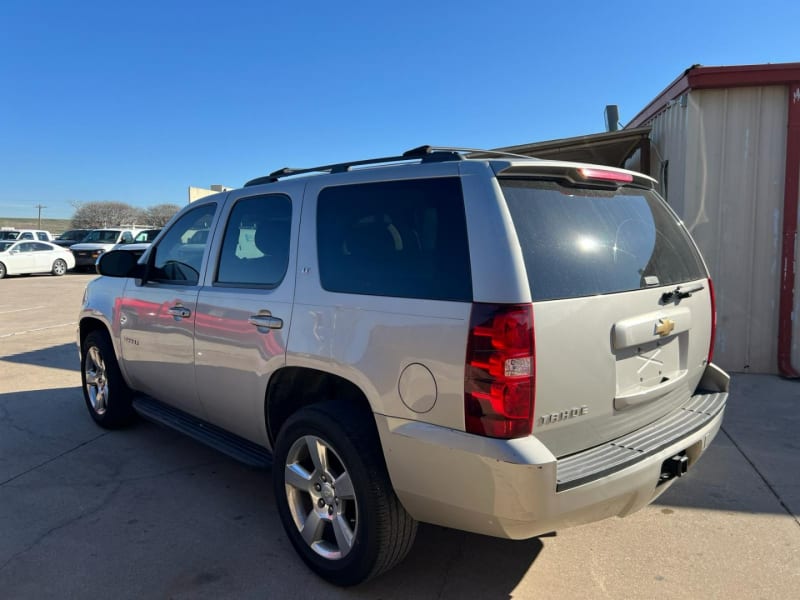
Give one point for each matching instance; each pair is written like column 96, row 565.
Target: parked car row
column 25, row 234
column 28, row 251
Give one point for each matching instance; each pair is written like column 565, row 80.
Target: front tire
column 107, row 396
column 59, row 267
column 2, row 270
column 334, row 496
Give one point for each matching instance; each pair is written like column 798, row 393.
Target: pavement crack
column 88, row 513
column 55, row 458
column 449, row 565
column 7, row 419
column 775, row 493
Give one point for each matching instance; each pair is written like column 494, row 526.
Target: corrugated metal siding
column 668, row 158
column 726, row 150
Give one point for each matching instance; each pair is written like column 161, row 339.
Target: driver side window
column 179, row 256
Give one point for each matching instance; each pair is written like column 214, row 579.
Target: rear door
column 617, row 346
column 243, row 314
column 43, row 257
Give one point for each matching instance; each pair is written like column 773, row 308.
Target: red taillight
column 605, row 175
column 713, row 319
column 499, row 380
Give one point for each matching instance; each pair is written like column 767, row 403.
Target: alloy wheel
column 96, row 380
column 321, row 497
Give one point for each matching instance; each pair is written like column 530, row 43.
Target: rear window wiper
column 679, row 294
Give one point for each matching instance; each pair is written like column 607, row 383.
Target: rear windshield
column 583, row 242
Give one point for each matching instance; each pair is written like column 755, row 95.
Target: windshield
column 8, row 235
column 102, row 236
column 72, row 234
column 584, row 242
column 146, row 236
column 5, row 246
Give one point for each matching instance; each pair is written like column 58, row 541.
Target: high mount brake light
column 500, row 367
column 604, row 175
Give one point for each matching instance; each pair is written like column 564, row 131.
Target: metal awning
column 611, row 148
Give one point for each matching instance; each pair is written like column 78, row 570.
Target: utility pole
column 40, row 207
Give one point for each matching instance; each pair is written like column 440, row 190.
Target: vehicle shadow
column 63, row 356
column 445, row 563
column 184, row 519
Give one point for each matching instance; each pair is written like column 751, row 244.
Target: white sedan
column 25, row 257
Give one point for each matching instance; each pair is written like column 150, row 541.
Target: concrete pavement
column 147, row 513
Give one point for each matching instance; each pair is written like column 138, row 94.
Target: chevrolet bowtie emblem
column 665, row 327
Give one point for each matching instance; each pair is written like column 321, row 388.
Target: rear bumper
column 517, row 489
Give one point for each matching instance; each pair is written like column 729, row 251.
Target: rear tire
column 107, row 396
column 334, row 496
column 59, row 267
column 2, row 270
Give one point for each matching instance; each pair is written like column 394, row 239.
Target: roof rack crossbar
column 421, row 153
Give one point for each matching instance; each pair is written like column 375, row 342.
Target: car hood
column 91, row 246
column 136, row 246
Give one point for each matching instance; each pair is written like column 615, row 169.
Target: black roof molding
column 421, row 153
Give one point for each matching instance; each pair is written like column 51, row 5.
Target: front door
column 23, row 259
column 157, row 316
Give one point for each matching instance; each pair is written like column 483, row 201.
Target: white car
column 140, row 243
column 26, row 257
column 26, row 234
column 99, row 241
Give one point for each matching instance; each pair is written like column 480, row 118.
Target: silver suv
column 493, row 343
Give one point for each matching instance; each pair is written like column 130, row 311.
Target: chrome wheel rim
column 321, row 497
column 60, row 267
column 96, row 380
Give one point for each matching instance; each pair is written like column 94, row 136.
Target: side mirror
column 120, row 263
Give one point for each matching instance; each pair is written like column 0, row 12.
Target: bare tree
column 93, row 215
column 158, row 215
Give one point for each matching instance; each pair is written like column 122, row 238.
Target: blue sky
column 136, row 101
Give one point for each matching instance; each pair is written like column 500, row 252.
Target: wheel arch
column 292, row 388
column 90, row 324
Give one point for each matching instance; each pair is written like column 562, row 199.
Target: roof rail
column 421, row 153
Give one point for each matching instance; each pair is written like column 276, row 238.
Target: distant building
column 195, row 193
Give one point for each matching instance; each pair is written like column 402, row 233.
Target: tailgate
column 604, row 370
column 622, row 308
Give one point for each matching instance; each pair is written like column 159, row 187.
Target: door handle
column 265, row 320
column 179, row 312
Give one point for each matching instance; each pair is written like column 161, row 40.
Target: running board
column 223, row 441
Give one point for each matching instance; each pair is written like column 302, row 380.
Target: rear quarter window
column 583, row 242
column 403, row 238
